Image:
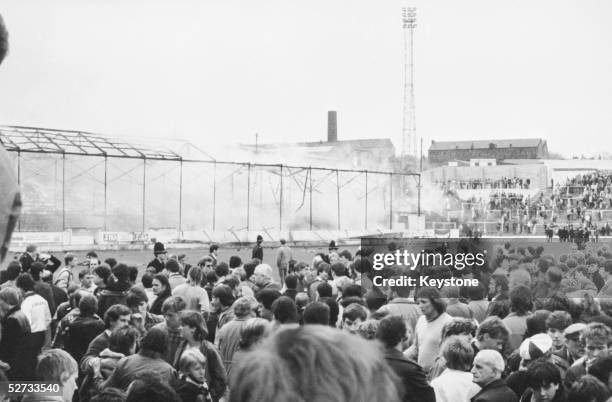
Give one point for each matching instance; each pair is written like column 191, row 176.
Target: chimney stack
column 332, row 126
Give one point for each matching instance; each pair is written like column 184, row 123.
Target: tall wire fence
column 65, row 191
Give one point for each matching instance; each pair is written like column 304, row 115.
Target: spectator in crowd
column 262, row 278
column 588, row 388
column 597, row 340
column 116, row 316
column 153, row 348
column 86, row 280
column 428, row 331
column 291, row 284
column 171, row 325
column 352, row 316
column 223, row 299
column 478, row 305
column 16, row 347
column 193, row 334
column 122, row 343
column 516, row 321
column 392, row 332
column 12, row 272
column 141, row 318
column 58, row 367
column 455, row 383
column 158, row 263
column 192, row 386
column 116, row 290
column 251, row 334
column 64, row 275
column 162, row 291
column 487, row 371
column 174, row 276
column 316, row 313
column 36, row 310
column 194, row 295
column 279, row 363
column 84, row 328
column 101, row 275
column 42, row 288
column 258, row 249
column 283, row 256
column 228, row 337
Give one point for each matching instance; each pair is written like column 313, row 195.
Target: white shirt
column 454, row 386
column 36, row 309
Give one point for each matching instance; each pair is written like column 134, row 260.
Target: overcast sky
column 219, row 71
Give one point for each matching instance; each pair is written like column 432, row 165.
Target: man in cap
column 606, row 275
column 258, row 249
column 161, row 255
column 596, row 338
column 487, row 371
column 573, row 348
column 283, row 256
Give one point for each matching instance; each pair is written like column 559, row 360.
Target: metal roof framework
column 66, row 142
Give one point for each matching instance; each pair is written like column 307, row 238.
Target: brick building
column 441, row 152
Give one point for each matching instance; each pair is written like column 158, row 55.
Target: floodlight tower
column 409, row 140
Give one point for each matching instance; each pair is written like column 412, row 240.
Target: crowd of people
column 537, row 327
column 503, row 183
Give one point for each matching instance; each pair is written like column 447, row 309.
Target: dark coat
column 80, row 333
column 257, row 252
column 157, row 264
column 15, row 347
column 216, row 376
column 495, row 391
column 412, row 376
column 44, row 289
column 115, row 293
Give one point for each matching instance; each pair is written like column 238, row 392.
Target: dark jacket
column 115, row 293
column 94, row 349
column 15, row 346
column 44, row 290
column 80, row 333
column 191, row 392
column 216, row 377
column 495, row 391
column 257, row 252
column 291, row 293
column 412, row 376
column 157, row 264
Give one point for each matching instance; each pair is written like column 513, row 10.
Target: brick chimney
column 332, row 126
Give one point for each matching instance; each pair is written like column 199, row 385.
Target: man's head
column 352, row 316
column 556, row 323
column 597, row 338
column 170, row 309
column 316, row 313
column 461, row 327
column 602, row 369
column 88, row 305
column 117, row 316
column 488, row 366
column 544, row 378
column 392, row 331
column 458, row 353
column 492, row 333
column 137, row 300
column 278, row 362
column 430, row 302
column 588, row 388
column 262, row 275
column 573, row 339
column 57, row 366
column 123, row 340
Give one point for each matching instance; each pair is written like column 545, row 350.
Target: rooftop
column 486, row 144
